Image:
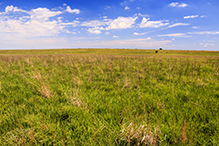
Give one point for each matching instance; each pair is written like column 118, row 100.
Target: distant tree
column 160, row 49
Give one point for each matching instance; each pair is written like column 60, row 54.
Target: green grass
column 129, row 98
column 109, row 52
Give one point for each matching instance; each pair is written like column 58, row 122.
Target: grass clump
column 140, row 135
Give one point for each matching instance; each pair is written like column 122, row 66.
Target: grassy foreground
column 133, row 98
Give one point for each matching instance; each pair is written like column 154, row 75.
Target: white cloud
column 195, row 27
column 73, row 23
column 206, row 44
column 173, row 4
column 33, row 23
column 122, row 23
column 95, row 23
column 94, row 31
column 68, row 9
column 42, row 14
column 124, row 3
column 177, row 4
column 127, row 8
column 185, row 34
column 141, row 15
column 204, row 32
column 203, row 16
column 183, row 5
column 115, row 36
column 13, row 9
column 67, row 31
column 31, row 28
column 153, row 24
column 174, row 35
column 107, row 7
column 192, row 16
column 119, row 23
column 178, row 24
column 136, row 33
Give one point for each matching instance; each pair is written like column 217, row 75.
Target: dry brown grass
column 45, row 91
column 183, row 136
column 140, row 135
column 20, row 136
column 76, row 102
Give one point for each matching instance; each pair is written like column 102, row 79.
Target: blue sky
column 144, row 24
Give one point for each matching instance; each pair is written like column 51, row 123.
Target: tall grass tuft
column 134, row 135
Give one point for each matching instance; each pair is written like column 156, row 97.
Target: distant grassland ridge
column 109, row 52
column 109, row 97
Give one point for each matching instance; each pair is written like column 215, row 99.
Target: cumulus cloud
column 122, row 23
column 115, row 36
column 177, row 4
column 108, row 24
column 192, row 16
column 183, row 5
column 178, row 24
column 94, row 31
column 13, row 9
column 127, row 8
column 33, row 23
column 31, row 28
column 42, row 14
column 154, row 24
column 173, row 4
column 68, row 9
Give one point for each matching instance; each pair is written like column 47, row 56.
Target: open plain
column 109, row 97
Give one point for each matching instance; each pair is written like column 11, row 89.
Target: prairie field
column 109, row 97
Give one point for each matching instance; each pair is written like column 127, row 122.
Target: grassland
column 109, row 97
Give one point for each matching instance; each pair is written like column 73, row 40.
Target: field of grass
column 110, row 52
column 109, row 97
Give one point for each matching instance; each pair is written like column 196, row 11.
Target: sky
column 134, row 24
